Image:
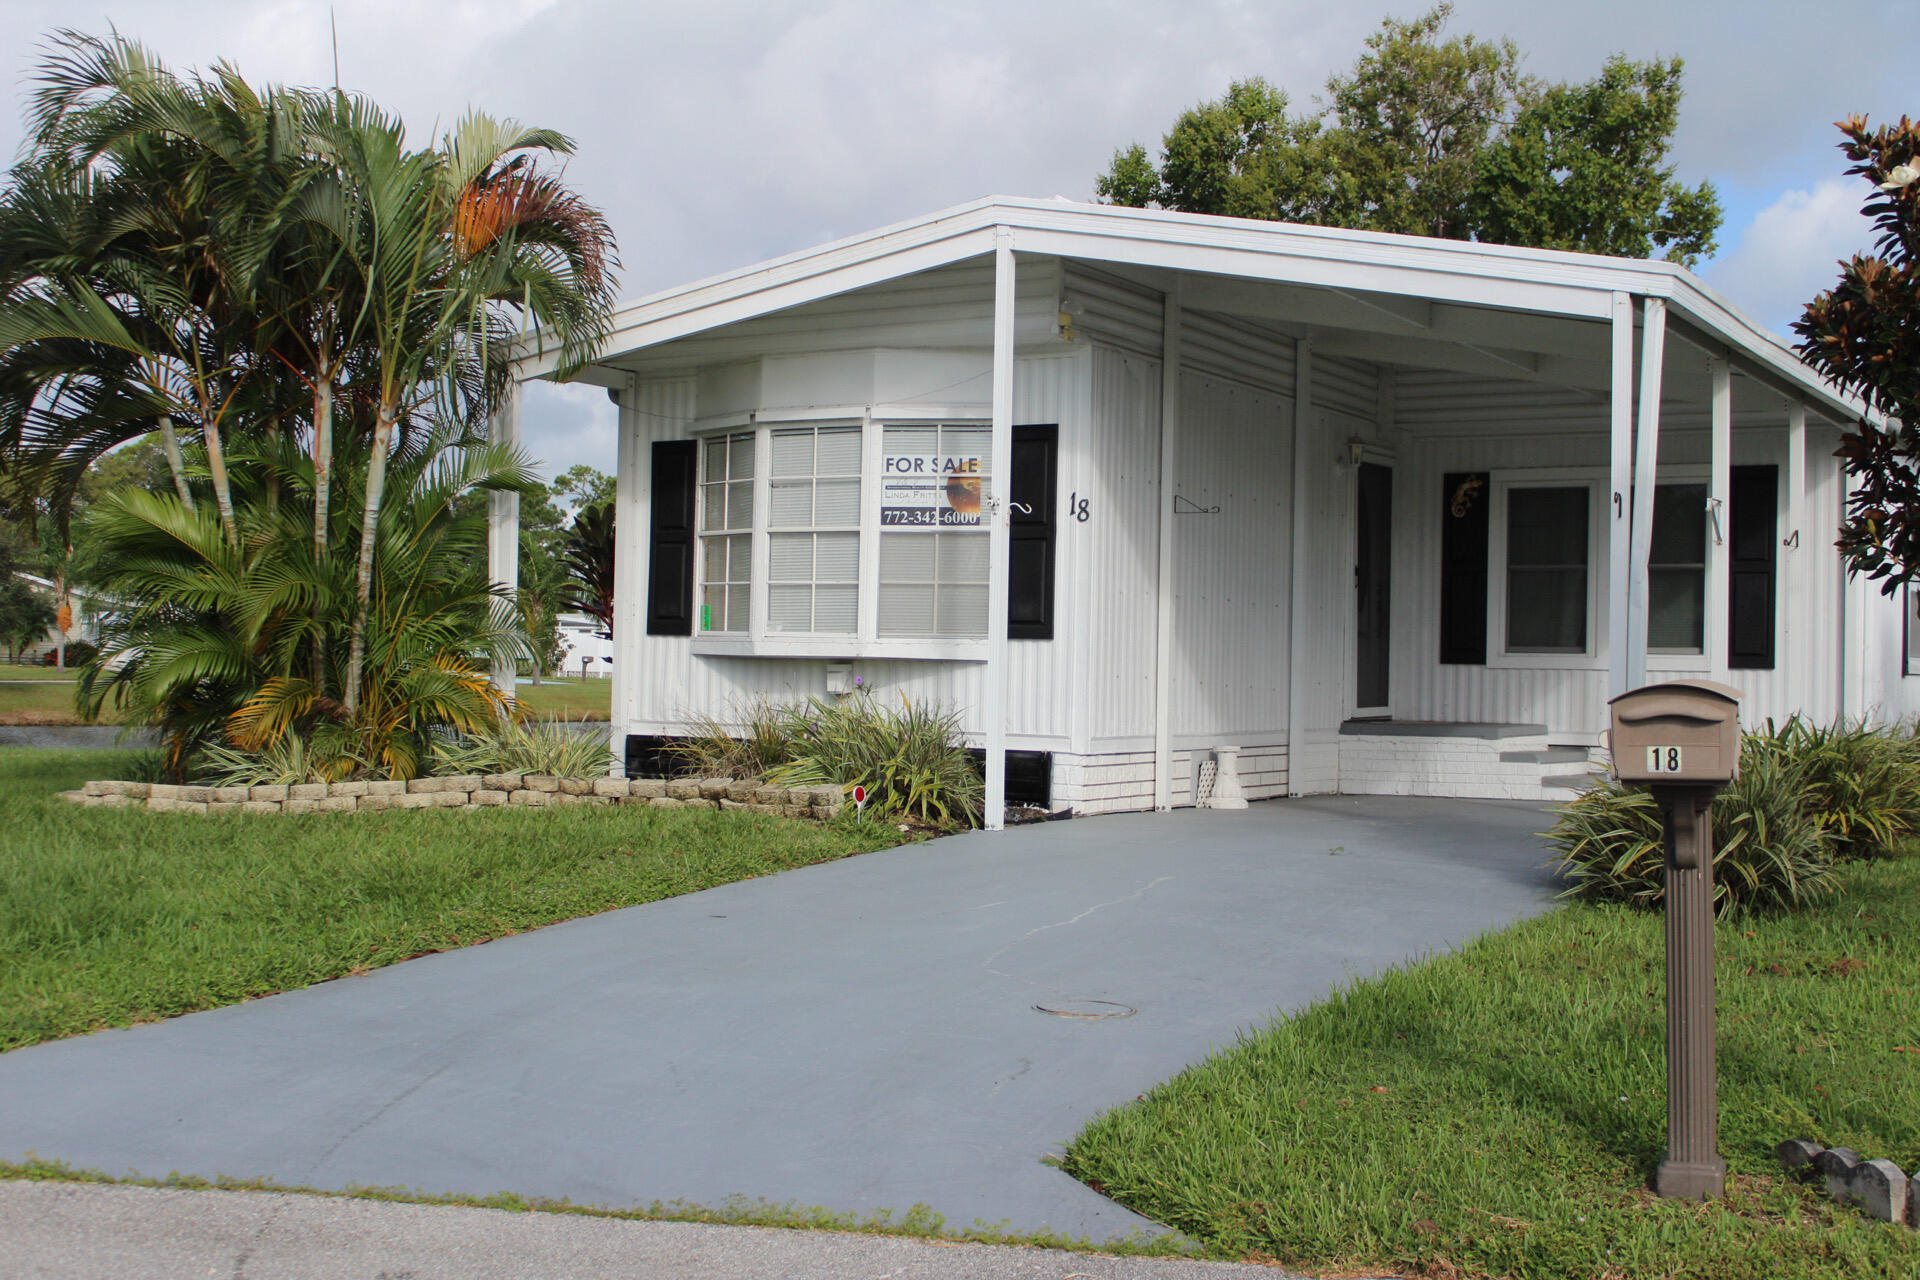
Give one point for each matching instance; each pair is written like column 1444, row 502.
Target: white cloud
column 1790, row 251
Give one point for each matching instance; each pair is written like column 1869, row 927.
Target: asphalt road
column 67, row 1231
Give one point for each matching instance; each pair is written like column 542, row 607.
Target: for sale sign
column 930, row 490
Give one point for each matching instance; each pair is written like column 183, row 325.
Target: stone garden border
column 467, row 791
column 1877, row 1187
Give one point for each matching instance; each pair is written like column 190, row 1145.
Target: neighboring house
column 584, row 647
column 1380, row 532
column 85, row 624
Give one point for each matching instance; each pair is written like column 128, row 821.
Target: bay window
column 841, row 538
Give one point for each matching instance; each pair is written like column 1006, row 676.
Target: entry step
column 1439, row 729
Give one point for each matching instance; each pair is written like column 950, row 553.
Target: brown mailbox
column 1680, row 733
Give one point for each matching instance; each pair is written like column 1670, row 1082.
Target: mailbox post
column 1681, row 740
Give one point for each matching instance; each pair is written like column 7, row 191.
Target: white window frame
column 1592, row 657
column 1693, row 661
column 865, row 642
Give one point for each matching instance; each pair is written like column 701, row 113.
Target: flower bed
column 467, row 791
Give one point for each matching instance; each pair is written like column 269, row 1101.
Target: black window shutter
column 1036, row 454
column 1464, row 526
column 670, row 548
column 1753, row 540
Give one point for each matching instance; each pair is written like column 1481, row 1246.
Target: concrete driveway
column 861, row 1035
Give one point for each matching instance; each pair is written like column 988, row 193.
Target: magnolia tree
column 1864, row 335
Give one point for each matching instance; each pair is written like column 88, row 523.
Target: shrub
column 290, row 761
column 79, row 654
column 555, row 747
column 910, row 760
column 1861, row 785
column 1769, row 849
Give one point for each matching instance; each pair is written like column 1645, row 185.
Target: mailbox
column 1680, row 733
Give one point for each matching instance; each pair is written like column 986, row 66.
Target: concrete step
column 1552, row 755
column 1439, row 729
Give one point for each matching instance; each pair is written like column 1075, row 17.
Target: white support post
column 629, row 583
column 503, row 521
column 1163, row 592
column 999, row 529
column 1795, row 651
column 1296, row 555
column 1620, row 509
column 1653, row 346
column 1719, row 515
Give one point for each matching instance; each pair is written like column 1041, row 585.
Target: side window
column 726, row 532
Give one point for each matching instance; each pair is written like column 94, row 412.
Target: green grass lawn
column 113, row 916
column 574, row 699
column 1499, row 1111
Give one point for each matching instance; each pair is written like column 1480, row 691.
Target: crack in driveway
column 987, row 964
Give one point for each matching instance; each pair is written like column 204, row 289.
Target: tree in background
column 1448, row 139
column 25, row 614
column 1864, row 336
column 590, row 549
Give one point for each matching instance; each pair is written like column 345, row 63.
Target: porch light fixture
column 1356, row 451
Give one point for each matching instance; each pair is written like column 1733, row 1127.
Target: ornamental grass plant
column 910, row 759
column 1807, row 799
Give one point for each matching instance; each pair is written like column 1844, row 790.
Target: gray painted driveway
column 860, row 1035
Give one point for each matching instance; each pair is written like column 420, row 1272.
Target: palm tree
column 447, row 244
column 186, row 184
column 211, row 640
column 589, row 551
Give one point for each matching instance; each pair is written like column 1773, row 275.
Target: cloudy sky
column 716, row 133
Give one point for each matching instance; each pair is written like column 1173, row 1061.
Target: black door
column 1372, row 579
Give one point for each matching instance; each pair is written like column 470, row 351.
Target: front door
column 1372, row 581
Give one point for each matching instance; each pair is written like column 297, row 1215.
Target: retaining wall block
column 770, row 795
column 354, row 789
column 105, row 802
column 164, row 805
column 665, row 802
column 1913, row 1202
column 376, row 804
column 715, row 788
column 683, row 788
column 597, row 800
column 743, row 792
column 500, row 782
column 388, row 788
column 137, row 790
column 307, row 791
column 542, row 782
column 489, row 797
column 451, row 799
column 260, row 806
column 733, row 806
column 462, row 782
column 828, row 796
column 826, row 812
column 196, row 795
column 772, row 810
column 74, row 797
column 230, row 795
column 105, row 788
column 647, row 788
column 163, row 791
column 409, row 801
column 1880, row 1189
column 576, row 786
column 528, row 796
column 268, row 791
column 614, row 787
column 338, row 804
column 797, row 810
column 427, row 786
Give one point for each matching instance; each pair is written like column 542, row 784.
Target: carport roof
column 1370, row 270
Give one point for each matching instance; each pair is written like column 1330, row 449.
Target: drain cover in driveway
column 1088, row 1009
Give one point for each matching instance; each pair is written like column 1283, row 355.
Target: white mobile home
column 1385, row 514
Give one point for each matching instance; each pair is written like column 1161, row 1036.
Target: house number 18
column 1078, row 506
